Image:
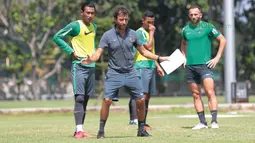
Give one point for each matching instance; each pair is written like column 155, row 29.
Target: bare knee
column 210, row 94
column 107, row 101
column 147, row 96
column 140, row 100
column 196, row 95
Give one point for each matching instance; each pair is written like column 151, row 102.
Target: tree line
column 27, row 28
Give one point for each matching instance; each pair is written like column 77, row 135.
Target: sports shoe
column 214, row 125
column 147, row 127
column 100, row 135
column 200, row 126
column 143, row 133
column 133, row 123
column 78, row 134
column 81, row 134
column 86, row 135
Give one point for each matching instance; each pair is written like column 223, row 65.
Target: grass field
column 168, row 125
column 123, row 101
column 59, row 127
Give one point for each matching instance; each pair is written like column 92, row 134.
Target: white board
column 175, row 60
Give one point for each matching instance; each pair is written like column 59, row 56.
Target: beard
column 195, row 21
column 122, row 27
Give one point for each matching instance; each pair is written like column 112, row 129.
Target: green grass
column 123, row 101
column 59, row 127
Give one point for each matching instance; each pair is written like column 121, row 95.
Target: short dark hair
column 85, row 4
column 148, row 14
column 119, row 11
column 196, row 6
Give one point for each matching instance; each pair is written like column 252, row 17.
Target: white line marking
column 207, row 116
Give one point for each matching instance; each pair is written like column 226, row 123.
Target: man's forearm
column 157, row 65
column 95, row 57
column 62, row 44
column 221, row 47
column 149, row 55
column 183, row 47
column 150, row 43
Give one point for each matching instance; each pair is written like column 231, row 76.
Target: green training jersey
column 141, row 61
column 198, row 50
column 83, row 40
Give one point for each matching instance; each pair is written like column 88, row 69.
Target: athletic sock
column 86, row 99
column 78, row 113
column 101, row 126
column 132, row 109
column 146, row 110
column 201, row 116
column 140, row 125
column 79, row 128
column 214, row 115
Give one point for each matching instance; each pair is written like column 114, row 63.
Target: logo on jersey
column 131, row 39
column 199, row 31
column 214, row 31
column 87, row 33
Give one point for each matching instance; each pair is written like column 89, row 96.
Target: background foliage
column 27, row 52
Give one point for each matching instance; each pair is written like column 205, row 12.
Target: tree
column 245, row 53
column 29, row 25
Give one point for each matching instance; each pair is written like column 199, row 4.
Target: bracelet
column 158, row 59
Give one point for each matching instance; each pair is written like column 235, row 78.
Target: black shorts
column 197, row 73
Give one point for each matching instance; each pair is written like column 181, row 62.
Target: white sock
column 79, row 128
column 135, row 120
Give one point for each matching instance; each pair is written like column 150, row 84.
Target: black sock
column 214, row 115
column 140, row 125
column 101, row 126
column 132, row 109
column 78, row 109
column 86, row 99
column 146, row 110
column 201, row 116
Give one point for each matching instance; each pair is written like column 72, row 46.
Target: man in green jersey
column 83, row 44
column 146, row 67
column 196, row 47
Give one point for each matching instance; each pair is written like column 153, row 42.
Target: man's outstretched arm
column 150, row 55
column 94, row 57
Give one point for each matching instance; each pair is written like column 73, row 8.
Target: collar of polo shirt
column 115, row 28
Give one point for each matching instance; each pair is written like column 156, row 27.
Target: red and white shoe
column 81, row 134
column 86, row 135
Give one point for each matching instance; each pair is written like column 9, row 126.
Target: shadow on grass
column 187, row 127
column 107, row 137
column 120, row 137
